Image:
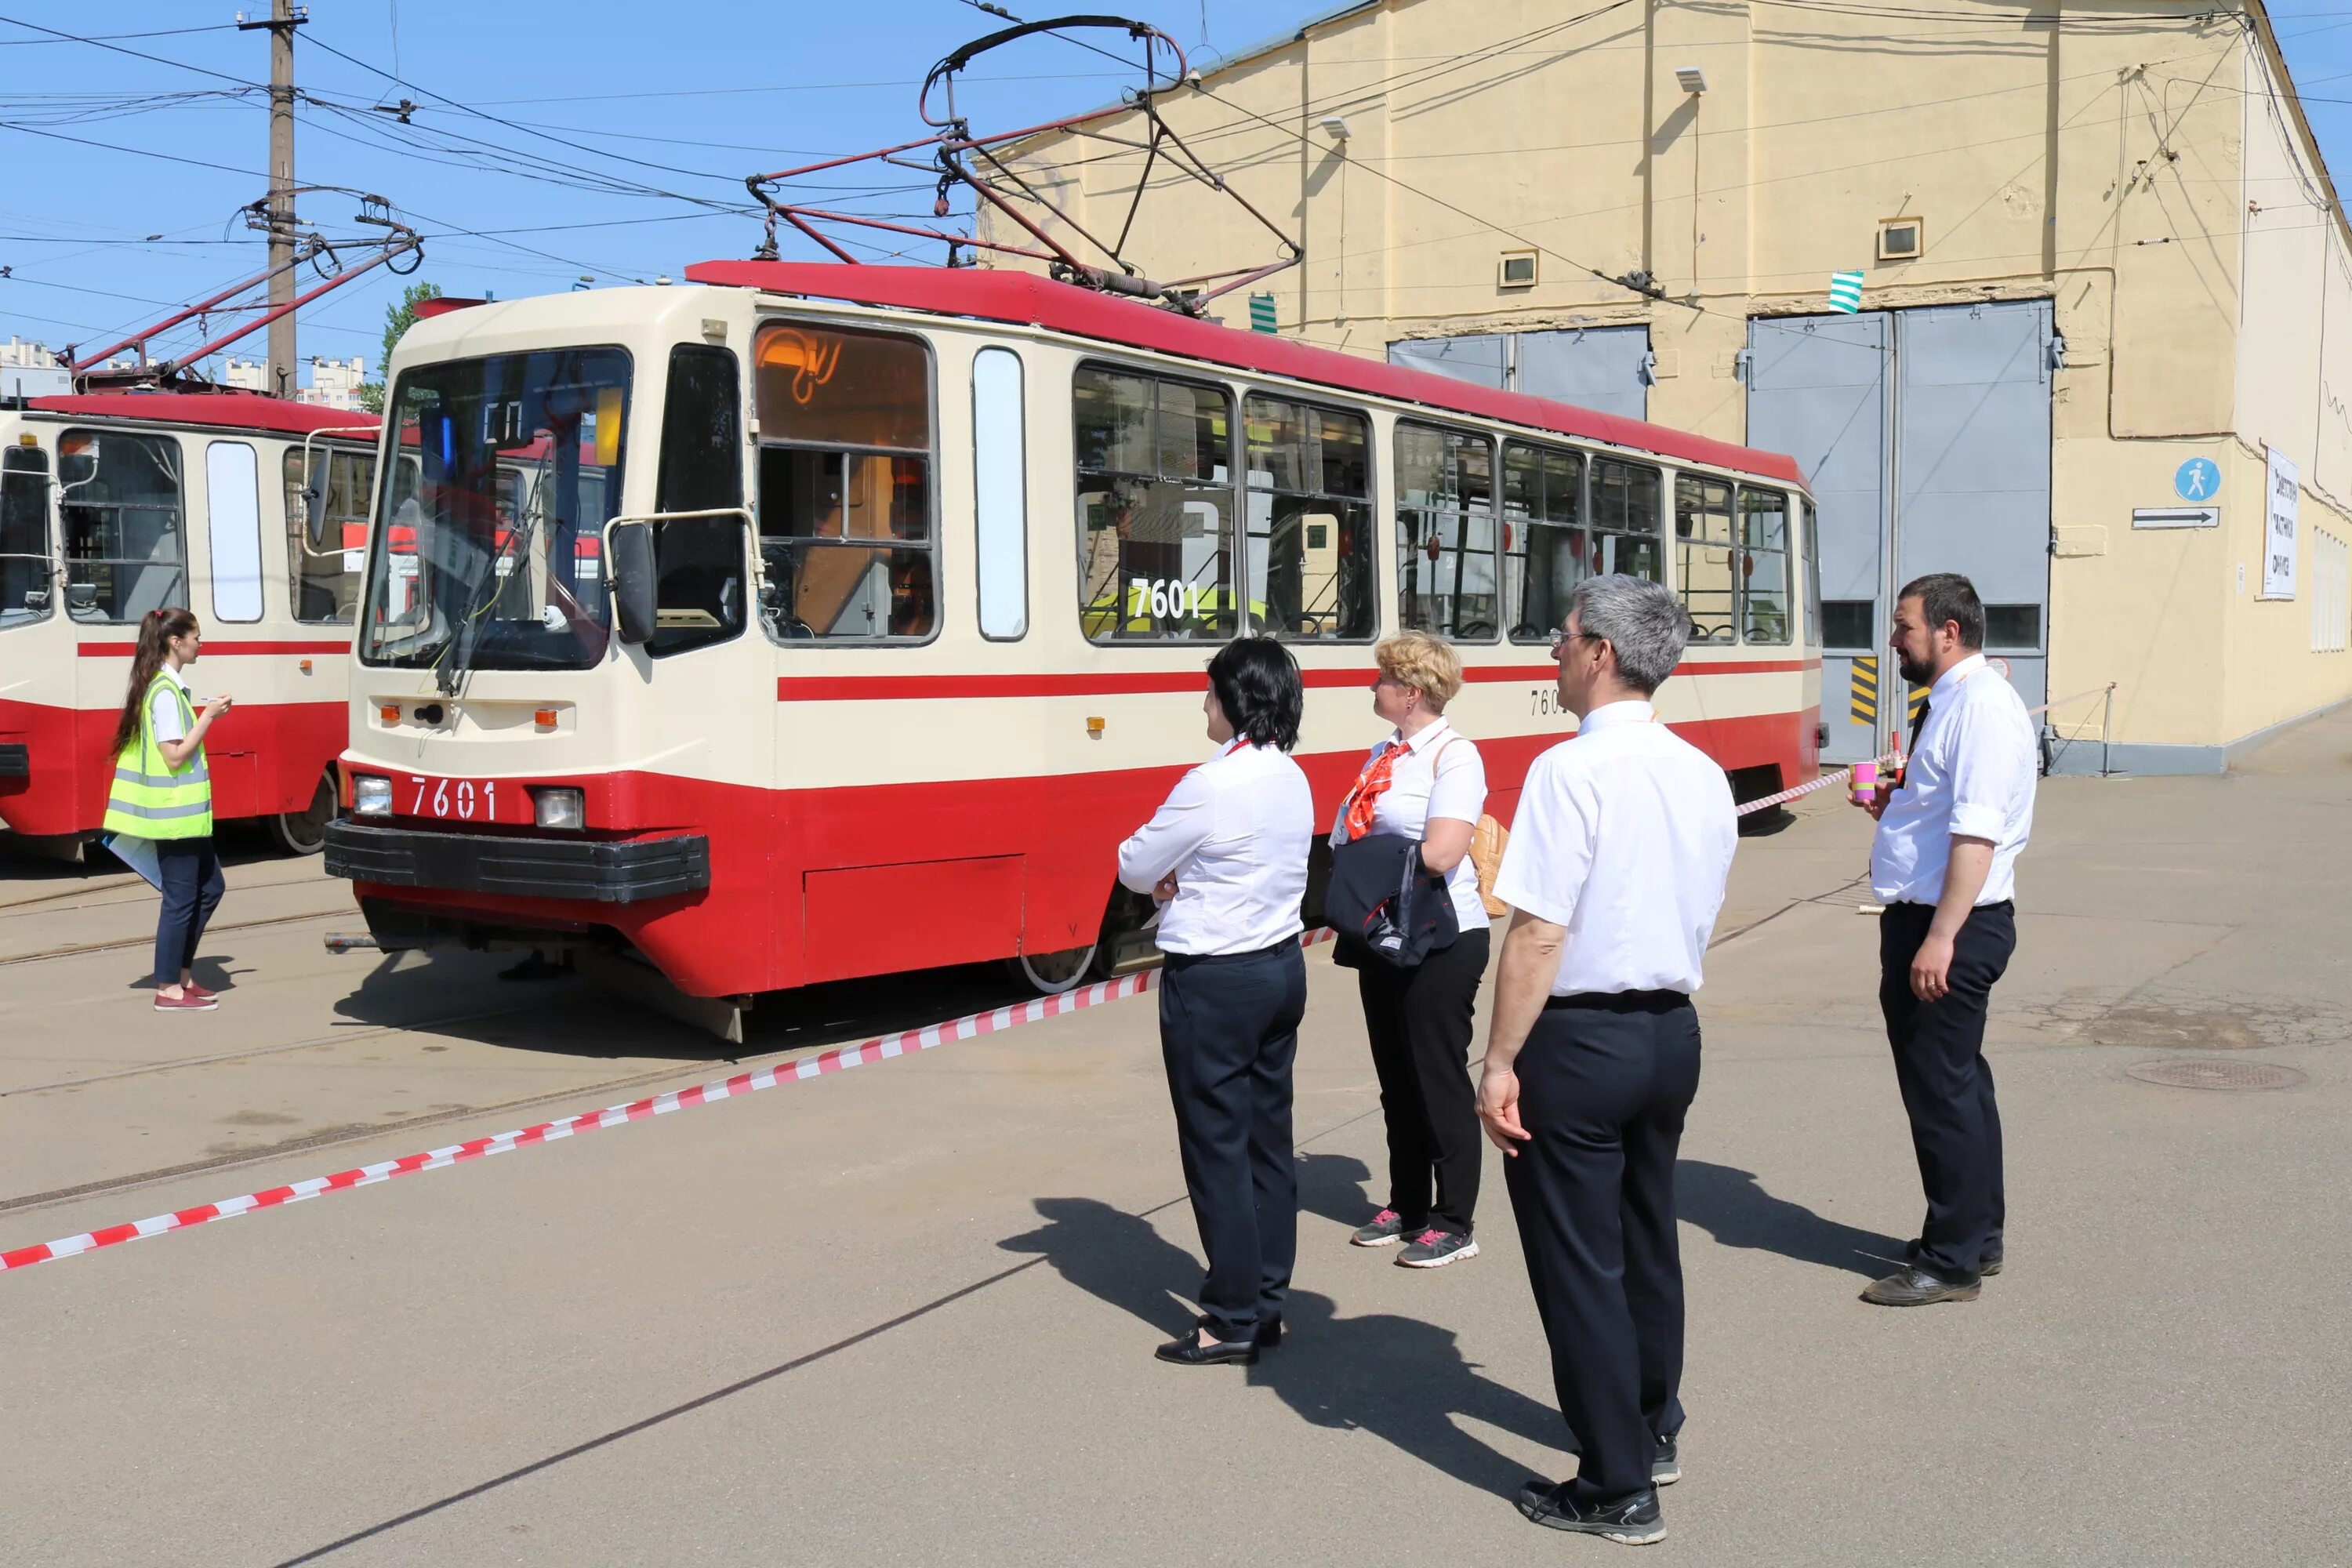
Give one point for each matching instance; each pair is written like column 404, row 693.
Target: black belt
column 1187, row 960
column 1620, row 1001
column 2009, row 904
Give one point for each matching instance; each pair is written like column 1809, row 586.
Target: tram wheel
column 1054, row 972
column 305, row 832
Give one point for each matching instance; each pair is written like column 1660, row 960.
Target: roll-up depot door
column 1817, row 390
column 1973, row 468
column 1484, row 360
column 1593, row 367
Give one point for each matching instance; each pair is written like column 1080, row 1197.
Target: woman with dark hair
column 1226, row 857
column 162, row 793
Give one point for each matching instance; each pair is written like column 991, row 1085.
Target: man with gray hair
column 1592, row 1059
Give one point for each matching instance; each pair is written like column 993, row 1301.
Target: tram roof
column 1027, row 298
column 218, row 410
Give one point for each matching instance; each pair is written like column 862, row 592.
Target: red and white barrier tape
column 839, row 1059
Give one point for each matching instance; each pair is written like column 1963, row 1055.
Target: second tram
column 815, row 621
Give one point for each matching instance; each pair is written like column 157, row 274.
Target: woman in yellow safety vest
column 162, row 792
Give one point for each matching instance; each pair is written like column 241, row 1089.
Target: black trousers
column 193, row 886
column 1604, row 1082
column 1946, row 1084
column 1419, row 1022
column 1228, row 1032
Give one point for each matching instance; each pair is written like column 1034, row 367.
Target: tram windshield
column 492, row 554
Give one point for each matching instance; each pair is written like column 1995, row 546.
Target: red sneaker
column 190, row 1000
column 192, row 989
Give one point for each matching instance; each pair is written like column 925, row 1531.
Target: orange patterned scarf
column 1369, row 786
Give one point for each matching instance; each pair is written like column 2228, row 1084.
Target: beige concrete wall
column 2104, row 164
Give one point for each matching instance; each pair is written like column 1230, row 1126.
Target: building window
column 699, row 561
column 1703, row 558
column 325, row 539
column 1626, row 520
column 1845, row 626
column 1763, row 566
column 1546, row 551
column 1310, row 521
column 125, row 524
column 845, row 500
column 1445, row 533
column 26, row 580
column 1156, row 547
column 2013, row 627
column 1901, row 238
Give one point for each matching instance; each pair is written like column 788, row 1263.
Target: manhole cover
column 2194, row 1072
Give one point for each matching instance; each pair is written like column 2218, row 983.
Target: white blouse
column 1235, row 834
column 1439, row 775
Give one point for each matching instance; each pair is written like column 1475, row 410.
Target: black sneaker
column 1988, row 1264
column 1665, row 1467
column 1915, row 1286
column 1631, row 1521
column 1435, row 1248
column 1387, row 1227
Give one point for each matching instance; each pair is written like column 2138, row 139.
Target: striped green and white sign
column 1845, row 291
column 1261, row 312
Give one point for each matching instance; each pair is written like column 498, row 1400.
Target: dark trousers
column 1419, row 1022
column 1228, row 1030
column 1604, row 1082
column 1946, row 1084
column 191, row 870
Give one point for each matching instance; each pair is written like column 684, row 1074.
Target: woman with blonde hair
column 162, row 793
column 1427, row 783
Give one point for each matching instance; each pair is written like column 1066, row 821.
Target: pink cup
column 1865, row 782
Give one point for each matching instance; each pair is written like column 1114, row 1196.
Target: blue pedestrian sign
column 2199, row 480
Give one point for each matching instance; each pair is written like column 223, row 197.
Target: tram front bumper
column 579, row 870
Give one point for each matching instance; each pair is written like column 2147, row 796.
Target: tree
column 398, row 320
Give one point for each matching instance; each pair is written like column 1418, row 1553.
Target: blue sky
column 597, row 139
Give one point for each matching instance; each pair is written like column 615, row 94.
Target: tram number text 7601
column 460, row 798
column 1167, row 599
column 1545, row 700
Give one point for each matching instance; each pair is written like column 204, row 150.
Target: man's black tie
column 1920, row 721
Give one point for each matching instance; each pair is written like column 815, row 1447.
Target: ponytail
column 156, row 630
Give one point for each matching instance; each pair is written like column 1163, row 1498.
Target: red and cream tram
column 850, row 615
column 251, row 511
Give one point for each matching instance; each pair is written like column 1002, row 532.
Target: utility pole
column 284, row 17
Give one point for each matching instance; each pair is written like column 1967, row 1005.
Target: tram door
column 1926, row 435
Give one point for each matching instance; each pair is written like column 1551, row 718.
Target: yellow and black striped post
column 1861, row 694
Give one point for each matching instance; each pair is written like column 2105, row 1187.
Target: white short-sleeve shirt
column 1441, row 775
column 1972, row 774
column 1623, row 836
column 1235, row 832
column 163, row 711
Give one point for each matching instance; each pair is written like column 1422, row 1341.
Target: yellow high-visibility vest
column 150, row 798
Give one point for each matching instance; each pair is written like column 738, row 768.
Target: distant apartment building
column 334, row 383
column 30, row 370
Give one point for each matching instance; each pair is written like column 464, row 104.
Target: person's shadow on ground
column 1735, row 1207
column 1398, row 1378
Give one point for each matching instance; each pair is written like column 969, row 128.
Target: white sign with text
column 2278, row 526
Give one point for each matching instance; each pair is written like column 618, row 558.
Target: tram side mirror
column 314, row 512
column 631, row 548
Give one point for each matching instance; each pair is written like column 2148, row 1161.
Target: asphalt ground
column 904, row 1314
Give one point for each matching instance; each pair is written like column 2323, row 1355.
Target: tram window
column 1810, row 545
column 1310, row 521
column 233, row 528
column 845, row 498
column 699, row 563
column 1000, row 493
column 1625, row 525
column 124, row 524
column 1155, row 490
column 1703, row 558
column 1445, row 533
column 325, row 562
column 27, row 586
column 1547, row 551
column 1763, row 566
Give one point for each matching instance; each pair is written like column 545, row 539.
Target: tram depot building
column 2101, row 358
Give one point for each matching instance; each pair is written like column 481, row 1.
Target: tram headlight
column 563, row 808
column 371, row 795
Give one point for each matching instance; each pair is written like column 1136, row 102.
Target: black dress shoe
column 1988, row 1262
column 1189, row 1352
column 1632, row 1521
column 1915, row 1286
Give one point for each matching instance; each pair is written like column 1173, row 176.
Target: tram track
column 117, row 944
column 135, row 890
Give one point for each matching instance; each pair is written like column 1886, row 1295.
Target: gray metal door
column 1818, row 390
column 1605, row 368
column 1973, row 468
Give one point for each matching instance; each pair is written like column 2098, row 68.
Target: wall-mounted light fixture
column 1334, row 126
column 1690, row 78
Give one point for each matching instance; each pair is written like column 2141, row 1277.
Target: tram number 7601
column 460, row 798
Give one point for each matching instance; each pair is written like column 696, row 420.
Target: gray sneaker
column 1435, row 1248
column 1387, row 1227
